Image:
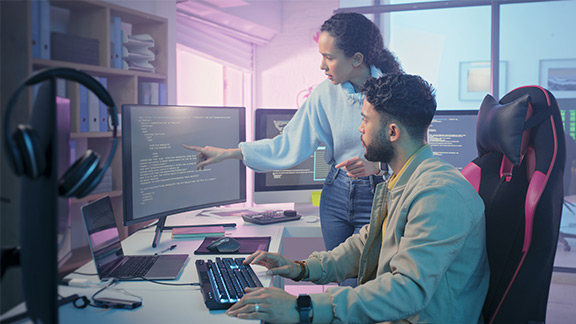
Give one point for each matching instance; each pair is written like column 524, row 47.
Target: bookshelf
column 84, row 20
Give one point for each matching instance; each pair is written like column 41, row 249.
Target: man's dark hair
column 405, row 98
column 356, row 33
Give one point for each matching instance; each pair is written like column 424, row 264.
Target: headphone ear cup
column 28, row 158
column 81, row 176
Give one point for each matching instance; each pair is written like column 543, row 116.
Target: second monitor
column 291, row 185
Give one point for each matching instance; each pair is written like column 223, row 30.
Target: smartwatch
column 304, row 306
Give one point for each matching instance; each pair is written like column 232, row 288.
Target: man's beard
column 380, row 150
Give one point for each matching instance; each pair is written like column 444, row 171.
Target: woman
column 352, row 51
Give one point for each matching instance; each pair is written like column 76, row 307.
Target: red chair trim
column 473, row 173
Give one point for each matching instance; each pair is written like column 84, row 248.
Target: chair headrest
column 500, row 127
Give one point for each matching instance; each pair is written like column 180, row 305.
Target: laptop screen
column 103, row 236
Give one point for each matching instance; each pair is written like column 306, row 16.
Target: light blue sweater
column 330, row 115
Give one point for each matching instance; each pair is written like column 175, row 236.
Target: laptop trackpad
column 167, row 267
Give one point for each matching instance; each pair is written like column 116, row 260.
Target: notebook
column 110, row 261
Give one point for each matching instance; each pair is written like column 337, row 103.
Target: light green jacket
column 431, row 265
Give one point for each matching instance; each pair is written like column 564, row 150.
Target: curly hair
column 356, row 33
column 405, row 98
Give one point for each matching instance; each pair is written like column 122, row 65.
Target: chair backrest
column 519, row 175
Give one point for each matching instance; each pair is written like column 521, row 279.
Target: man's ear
column 394, row 132
column 357, row 59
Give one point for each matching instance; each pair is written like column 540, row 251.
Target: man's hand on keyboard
column 272, row 305
column 275, row 263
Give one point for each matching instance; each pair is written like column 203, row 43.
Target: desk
column 162, row 304
column 175, row 304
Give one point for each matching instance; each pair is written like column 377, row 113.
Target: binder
column 93, row 112
column 84, row 109
column 35, row 15
column 44, row 13
column 144, row 93
column 116, row 40
column 103, row 111
column 162, row 95
column 154, row 93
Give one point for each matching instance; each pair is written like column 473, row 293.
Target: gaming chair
column 519, row 175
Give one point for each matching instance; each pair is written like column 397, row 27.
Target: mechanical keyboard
column 271, row 217
column 223, row 280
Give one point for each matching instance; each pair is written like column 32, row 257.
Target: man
column 422, row 258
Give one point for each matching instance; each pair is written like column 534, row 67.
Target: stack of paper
column 136, row 53
column 200, row 231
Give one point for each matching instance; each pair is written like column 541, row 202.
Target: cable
column 84, row 274
column 170, row 284
column 151, row 280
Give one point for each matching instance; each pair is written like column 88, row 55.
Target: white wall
column 290, row 63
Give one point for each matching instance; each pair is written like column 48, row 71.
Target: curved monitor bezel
column 127, row 176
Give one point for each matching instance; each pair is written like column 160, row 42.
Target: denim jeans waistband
column 335, row 173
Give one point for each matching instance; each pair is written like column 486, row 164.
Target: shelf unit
column 88, row 19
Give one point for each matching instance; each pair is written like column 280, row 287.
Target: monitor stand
column 159, row 229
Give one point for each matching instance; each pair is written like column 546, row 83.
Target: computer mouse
column 224, row 245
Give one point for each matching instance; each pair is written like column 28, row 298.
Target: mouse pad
column 248, row 245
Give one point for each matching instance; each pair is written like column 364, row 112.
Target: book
column 201, row 231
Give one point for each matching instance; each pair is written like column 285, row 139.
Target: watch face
column 304, row 301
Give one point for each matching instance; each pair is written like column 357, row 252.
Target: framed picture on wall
column 475, row 80
column 559, row 76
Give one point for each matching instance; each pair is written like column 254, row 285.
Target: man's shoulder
column 437, row 172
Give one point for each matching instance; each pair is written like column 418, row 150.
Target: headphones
column 24, row 151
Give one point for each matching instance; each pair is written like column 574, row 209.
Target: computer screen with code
column 452, row 136
column 159, row 174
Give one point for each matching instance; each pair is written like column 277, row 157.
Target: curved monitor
column 294, row 185
column 452, row 136
column 159, row 175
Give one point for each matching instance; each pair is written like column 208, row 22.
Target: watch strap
column 304, row 306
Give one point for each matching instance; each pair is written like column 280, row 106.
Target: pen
column 167, row 249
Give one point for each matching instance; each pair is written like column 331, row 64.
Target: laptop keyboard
column 223, row 281
column 134, row 267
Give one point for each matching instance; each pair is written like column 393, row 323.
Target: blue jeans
column 345, row 205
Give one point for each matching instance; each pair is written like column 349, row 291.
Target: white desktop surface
column 165, row 304
column 161, row 303
column 176, row 304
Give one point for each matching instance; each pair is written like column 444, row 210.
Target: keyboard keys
column 134, row 267
column 271, row 217
column 223, row 281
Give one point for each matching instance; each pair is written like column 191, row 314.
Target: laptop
column 110, row 261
